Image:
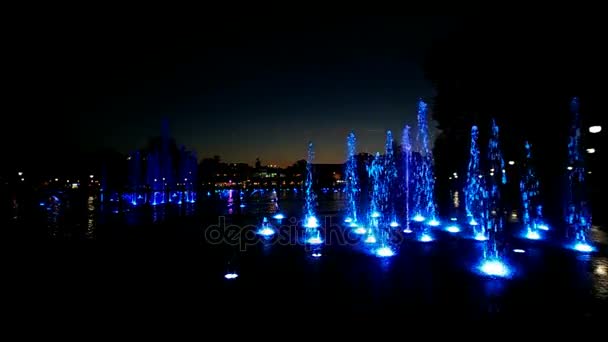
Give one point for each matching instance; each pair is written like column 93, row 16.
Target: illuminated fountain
column 374, row 171
column 389, row 182
column 531, row 208
column 424, row 197
column 578, row 214
column 266, row 229
column 378, row 233
column 498, row 176
column 311, row 222
column 492, row 262
column 475, row 192
column 352, row 181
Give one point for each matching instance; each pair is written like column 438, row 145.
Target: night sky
column 238, row 87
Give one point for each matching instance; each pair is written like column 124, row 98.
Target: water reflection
column 600, row 277
column 91, row 219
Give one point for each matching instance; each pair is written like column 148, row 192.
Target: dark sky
column 240, row 87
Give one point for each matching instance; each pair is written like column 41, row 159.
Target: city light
column 595, row 129
column 590, row 150
column 569, row 168
column 511, row 162
column 231, row 276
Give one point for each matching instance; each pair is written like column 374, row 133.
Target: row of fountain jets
column 417, row 207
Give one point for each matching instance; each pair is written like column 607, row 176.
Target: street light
column 595, row 129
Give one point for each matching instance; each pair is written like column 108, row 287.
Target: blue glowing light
column 543, row 226
column 407, row 231
column 348, row 220
column 453, row 219
column 375, row 214
column 384, row 252
column 312, row 222
column 426, row 238
column 42, row 204
column 472, row 222
column 519, row 250
column 231, row 276
column 532, row 235
column 370, row 239
column 360, row 231
column 353, row 225
column 419, row 218
column 278, row 216
column 266, row 231
column 434, row 223
column 394, row 224
column 583, row 247
column 315, row 240
column 424, row 187
column 494, row 268
column 453, row 229
column 317, row 255
column 242, row 206
column 480, row 237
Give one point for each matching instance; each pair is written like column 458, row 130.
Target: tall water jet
column 311, row 222
column 352, row 180
column 497, row 176
column 475, row 192
column 578, row 214
column 407, row 159
column 389, row 182
column 377, row 233
column 424, row 197
column 531, row 207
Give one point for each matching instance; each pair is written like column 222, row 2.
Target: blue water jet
column 529, row 189
column 424, row 195
column 310, row 198
column 352, row 179
column 496, row 178
column 578, row 213
column 389, row 180
column 475, row 192
column 406, row 146
column 266, row 229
